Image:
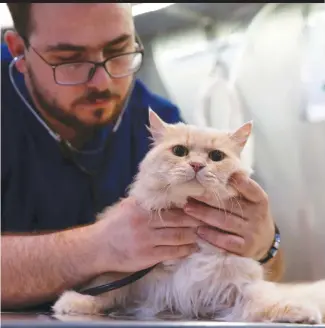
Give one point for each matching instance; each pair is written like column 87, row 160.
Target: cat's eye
column 180, row 150
column 217, row 155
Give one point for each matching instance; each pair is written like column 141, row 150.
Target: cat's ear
column 157, row 125
column 241, row 135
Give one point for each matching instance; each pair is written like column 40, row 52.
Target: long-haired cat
column 187, row 161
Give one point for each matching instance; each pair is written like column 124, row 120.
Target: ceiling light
column 138, row 9
column 142, row 8
column 5, row 17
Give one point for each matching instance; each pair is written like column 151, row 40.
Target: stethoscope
column 69, row 152
column 53, row 134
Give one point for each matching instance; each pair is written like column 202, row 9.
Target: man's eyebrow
column 74, row 47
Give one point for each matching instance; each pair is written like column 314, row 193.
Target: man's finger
column 230, row 243
column 165, row 253
column 175, row 218
column 248, row 188
column 236, row 206
column 216, row 218
column 174, row 236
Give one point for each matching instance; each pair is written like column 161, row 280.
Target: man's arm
column 274, row 269
column 37, row 268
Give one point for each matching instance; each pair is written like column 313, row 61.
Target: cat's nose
column 196, row 166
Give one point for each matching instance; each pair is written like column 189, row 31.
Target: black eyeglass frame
column 93, row 70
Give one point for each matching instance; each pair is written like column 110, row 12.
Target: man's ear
column 16, row 46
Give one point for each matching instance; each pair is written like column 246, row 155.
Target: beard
column 53, row 109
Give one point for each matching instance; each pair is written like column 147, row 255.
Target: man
column 52, row 189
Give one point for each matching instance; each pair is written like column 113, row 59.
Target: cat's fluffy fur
column 208, row 284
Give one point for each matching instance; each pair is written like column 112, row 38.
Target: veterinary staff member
column 73, row 133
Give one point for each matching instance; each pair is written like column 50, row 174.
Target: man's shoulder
column 12, row 126
column 162, row 106
column 6, row 58
column 5, row 53
column 8, row 96
column 7, row 90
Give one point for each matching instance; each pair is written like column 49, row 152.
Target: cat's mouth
column 195, row 180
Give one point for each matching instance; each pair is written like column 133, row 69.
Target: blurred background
column 226, row 63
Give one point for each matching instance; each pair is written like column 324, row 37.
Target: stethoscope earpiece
column 17, row 58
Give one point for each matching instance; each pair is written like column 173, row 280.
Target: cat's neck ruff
column 159, row 199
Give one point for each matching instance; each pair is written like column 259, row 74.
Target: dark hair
column 20, row 13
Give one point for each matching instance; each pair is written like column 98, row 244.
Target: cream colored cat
column 187, row 161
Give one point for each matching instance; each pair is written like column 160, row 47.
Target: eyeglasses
column 116, row 67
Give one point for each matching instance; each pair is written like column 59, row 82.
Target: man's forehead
column 80, row 23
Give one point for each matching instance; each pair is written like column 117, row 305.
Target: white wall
column 290, row 152
column 182, row 76
column 5, row 18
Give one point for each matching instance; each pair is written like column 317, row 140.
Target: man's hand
column 245, row 223
column 36, row 268
column 132, row 240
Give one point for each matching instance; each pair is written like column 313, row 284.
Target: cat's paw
column 290, row 312
column 72, row 302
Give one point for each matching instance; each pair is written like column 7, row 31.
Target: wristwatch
column 274, row 248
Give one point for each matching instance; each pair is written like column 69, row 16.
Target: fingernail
column 200, row 231
column 243, row 177
column 195, row 248
column 188, row 209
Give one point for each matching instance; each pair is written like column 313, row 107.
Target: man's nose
column 100, row 79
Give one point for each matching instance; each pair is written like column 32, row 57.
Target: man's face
column 68, row 32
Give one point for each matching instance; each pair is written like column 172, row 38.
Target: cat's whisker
column 213, row 175
column 232, row 204
column 233, row 181
column 221, row 203
column 215, row 193
column 167, row 188
column 210, row 181
column 179, row 175
column 224, row 264
column 160, row 217
column 151, row 217
column 240, row 207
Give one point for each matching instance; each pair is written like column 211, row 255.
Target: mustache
column 94, row 95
